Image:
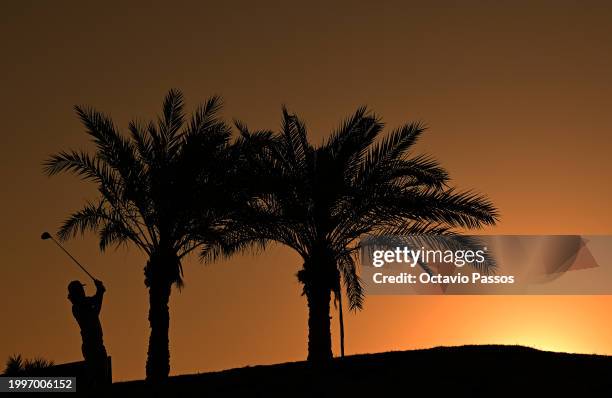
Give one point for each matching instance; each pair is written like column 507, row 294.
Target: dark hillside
column 482, row 370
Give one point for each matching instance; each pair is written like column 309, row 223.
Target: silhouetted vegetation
column 16, row 365
column 175, row 186
column 321, row 200
column 167, row 189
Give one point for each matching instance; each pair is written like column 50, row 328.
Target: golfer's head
column 75, row 291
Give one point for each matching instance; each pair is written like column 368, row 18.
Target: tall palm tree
column 320, row 200
column 164, row 189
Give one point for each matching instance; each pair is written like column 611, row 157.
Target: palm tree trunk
column 319, row 333
column 159, row 278
column 158, row 355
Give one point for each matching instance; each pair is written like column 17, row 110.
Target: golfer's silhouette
column 86, row 311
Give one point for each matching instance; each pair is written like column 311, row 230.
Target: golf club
column 47, row 235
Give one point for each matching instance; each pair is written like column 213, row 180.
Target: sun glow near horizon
column 546, row 323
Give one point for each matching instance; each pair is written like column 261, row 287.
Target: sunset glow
column 517, row 104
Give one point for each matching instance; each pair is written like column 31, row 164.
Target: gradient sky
column 518, row 101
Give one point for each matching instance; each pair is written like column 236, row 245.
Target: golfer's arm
column 97, row 298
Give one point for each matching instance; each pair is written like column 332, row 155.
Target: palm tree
column 321, row 200
column 160, row 189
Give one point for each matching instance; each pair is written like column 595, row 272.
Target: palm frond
column 142, row 140
column 294, row 143
column 82, row 164
column 114, row 232
column 348, row 144
column 89, row 218
column 173, row 115
column 352, row 283
column 420, row 170
column 205, row 116
column 464, row 209
column 113, row 148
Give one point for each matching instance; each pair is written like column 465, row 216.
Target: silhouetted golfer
column 86, row 311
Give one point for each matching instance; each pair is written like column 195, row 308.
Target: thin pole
column 341, row 325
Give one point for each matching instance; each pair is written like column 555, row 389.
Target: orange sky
column 518, row 101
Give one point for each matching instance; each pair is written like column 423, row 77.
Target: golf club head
column 45, row 236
